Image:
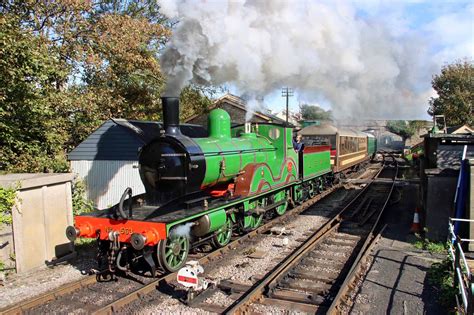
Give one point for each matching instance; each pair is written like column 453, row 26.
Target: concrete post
column 40, row 217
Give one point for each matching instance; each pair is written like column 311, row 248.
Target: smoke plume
column 324, row 50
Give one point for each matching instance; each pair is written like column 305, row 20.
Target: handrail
column 463, row 277
column 461, row 220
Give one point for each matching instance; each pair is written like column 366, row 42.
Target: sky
column 359, row 58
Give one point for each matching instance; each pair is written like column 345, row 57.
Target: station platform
column 396, row 281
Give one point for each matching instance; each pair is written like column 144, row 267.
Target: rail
column 371, row 240
column 241, row 305
column 463, row 279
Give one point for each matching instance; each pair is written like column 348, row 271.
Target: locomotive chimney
column 171, row 115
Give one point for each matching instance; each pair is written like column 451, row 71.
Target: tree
column 30, row 134
column 194, row 101
column 67, row 66
column 455, row 89
column 405, row 129
column 313, row 112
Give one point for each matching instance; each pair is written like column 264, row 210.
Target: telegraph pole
column 286, row 92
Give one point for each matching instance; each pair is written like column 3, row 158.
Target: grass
column 432, row 247
column 440, row 275
column 85, row 244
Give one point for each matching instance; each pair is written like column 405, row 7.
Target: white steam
column 254, row 104
column 323, row 50
column 182, row 230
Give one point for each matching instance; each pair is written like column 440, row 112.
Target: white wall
column 107, row 180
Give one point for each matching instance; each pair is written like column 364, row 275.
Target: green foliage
column 80, row 204
column 441, row 276
column 30, row 136
column 455, row 89
column 401, row 128
column 432, row 247
column 405, row 129
column 194, row 101
column 84, row 244
column 7, row 201
column 312, row 112
column 67, row 66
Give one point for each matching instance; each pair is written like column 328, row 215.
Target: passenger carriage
column 349, row 147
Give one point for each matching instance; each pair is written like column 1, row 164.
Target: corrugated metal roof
column 120, row 139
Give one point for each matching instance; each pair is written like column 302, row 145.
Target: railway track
column 80, row 294
column 318, row 276
column 77, row 295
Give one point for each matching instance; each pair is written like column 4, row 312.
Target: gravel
column 242, row 268
column 271, row 309
column 219, row 298
column 317, row 268
column 18, row 287
column 170, row 305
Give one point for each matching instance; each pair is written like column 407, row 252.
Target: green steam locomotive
column 202, row 190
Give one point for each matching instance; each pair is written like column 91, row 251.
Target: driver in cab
column 298, row 144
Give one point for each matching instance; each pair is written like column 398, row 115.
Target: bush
column 80, row 203
column 7, row 201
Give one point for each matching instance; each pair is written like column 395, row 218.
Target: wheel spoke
column 169, row 260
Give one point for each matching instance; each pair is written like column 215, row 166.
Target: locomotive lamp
column 248, row 127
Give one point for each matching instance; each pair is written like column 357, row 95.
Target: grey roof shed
column 121, row 139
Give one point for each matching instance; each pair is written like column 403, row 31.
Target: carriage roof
column 328, row 130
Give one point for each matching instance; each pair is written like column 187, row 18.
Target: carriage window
column 362, row 144
column 316, row 140
column 274, row 133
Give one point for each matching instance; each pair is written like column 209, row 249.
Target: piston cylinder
column 209, row 223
